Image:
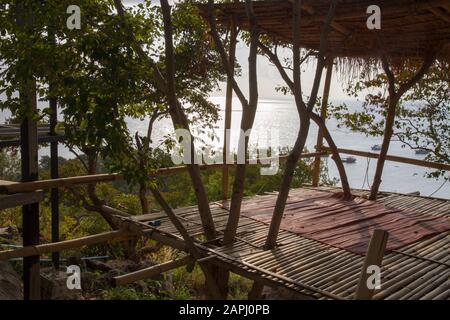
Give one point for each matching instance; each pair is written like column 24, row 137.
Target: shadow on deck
column 415, row 266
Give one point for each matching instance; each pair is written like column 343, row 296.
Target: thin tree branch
column 223, row 55
column 321, row 54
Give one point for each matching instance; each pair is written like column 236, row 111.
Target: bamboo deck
column 420, row 270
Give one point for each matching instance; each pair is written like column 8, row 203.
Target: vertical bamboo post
column 374, row 256
column 30, row 212
column 256, row 291
column 54, row 174
column 54, row 195
column 228, row 111
column 323, row 115
column 29, row 165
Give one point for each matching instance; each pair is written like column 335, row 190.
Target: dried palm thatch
column 409, row 28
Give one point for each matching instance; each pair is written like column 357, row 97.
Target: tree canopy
column 422, row 115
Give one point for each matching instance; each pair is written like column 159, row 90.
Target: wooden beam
column 248, row 270
column 29, row 165
column 7, row 183
column 36, row 250
column 20, row 199
column 10, row 187
column 440, row 14
column 60, row 183
column 340, row 28
column 387, row 10
column 256, row 291
column 335, row 25
column 41, row 139
column 416, row 162
column 374, row 257
column 54, row 172
column 256, row 277
column 13, row 131
column 151, row 271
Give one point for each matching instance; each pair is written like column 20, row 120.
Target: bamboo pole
column 323, row 115
column 29, row 156
column 14, row 200
column 10, row 187
column 54, row 167
column 151, row 271
column 374, row 256
column 35, row 250
column 256, row 291
column 416, row 162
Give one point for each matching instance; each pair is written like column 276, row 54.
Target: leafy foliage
column 422, row 116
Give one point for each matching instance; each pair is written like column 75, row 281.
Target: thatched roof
column 409, row 28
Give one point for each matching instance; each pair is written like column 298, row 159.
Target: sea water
column 280, row 115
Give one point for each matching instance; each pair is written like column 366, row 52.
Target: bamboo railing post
column 323, row 115
column 228, row 110
column 256, row 291
column 54, row 168
column 374, row 256
column 54, row 175
column 29, row 163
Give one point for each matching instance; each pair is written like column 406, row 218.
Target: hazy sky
column 268, row 76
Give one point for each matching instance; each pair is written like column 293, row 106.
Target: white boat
column 376, row 147
column 349, row 159
column 422, row 151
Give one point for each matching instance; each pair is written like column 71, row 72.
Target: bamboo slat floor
column 420, row 270
column 349, row 225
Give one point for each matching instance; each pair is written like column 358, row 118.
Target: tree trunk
column 143, row 199
column 323, row 115
column 285, row 186
column 248, row 117
column 388, row 131
column 394, row 98
column 228, row 110
column 209, row 272
column 335, row 154
column 304, row 112
column 179, row 118
column 92, row 166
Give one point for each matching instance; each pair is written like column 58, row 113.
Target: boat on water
column 376, row 147
column 422, row 151
column 349, row 159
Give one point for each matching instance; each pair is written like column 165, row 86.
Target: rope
column 437, row 190
column 366, row 175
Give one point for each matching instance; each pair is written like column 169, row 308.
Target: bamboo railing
column 9, row 188
column 416, row 162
